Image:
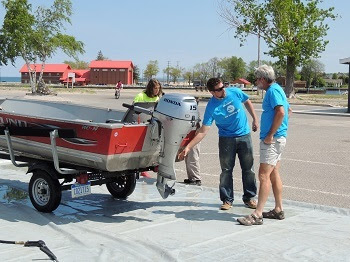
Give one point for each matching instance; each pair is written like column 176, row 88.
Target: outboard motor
column 178, row 115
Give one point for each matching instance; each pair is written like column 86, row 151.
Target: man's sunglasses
column 219, row 89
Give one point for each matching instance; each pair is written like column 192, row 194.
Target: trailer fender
column 45, row 167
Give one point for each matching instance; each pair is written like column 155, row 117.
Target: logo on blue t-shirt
column 230, row 108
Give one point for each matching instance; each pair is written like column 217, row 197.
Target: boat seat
column 134, row 117
column 112, row 121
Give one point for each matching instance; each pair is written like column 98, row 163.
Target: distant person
column 273, row 133
column 151, row 94
column 192, row 163
column 119, row 85
column 225, row 108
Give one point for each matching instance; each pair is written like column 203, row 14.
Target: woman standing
column 151, row 94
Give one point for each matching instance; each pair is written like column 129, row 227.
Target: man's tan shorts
column 271, row 154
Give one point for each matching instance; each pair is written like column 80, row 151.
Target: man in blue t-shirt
column 226, row 108
column 273, row 133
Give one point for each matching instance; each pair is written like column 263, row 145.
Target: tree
column 100, row 56
column 187, row 75
column 292, row 29
column 78, row 64
column 234, row 68
column 213, row 64
column 310, row 70
column 36, row 37
column 175, row 73
column 152, row 69
column 136, row 75
column 202, row 71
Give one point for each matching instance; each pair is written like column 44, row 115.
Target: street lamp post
column 346, row 61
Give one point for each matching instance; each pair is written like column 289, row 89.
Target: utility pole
column 167, row 73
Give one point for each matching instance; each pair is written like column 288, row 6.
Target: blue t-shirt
column 228, row 113
column 274, row 96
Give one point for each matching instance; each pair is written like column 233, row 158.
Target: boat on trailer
column 73, row 147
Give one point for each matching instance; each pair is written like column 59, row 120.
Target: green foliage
column 100, row 56
column 187, row 75
column 16, row 34
column 294, row 30
column 173, row 72
column 136, row 75
column 36, row 37
column 152, row 69
column 310, row 71
column 234, row 68
column 77, row 64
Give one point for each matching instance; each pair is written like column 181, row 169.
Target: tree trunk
column 289, row 89
column 32, row 76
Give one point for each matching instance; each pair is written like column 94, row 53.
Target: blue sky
column 184, row 32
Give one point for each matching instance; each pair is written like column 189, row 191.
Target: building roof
column 241, row 81
column 79, row 74
column 49, row 68
column 110, row 64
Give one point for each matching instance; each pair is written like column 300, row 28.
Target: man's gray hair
column 265, row 71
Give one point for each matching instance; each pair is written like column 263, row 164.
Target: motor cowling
column 178, row 115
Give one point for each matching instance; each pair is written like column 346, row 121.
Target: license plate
column 79, row 190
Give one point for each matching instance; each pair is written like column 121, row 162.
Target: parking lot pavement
column 185, row 227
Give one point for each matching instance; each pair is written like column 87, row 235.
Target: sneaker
column 193, row 182
column 272, row 214
column 226, row 206
column 251, row 203
column 145, row 174
column 251, row 220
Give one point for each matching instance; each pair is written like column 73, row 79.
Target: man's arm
column 249, row 106
column 201, row 133
column 277, row 121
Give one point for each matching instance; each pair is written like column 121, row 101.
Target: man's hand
column 268, row 139
column 255, row 126
column 183, row 153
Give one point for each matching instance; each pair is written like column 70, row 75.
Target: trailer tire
column 123, row 186
column 44, row 191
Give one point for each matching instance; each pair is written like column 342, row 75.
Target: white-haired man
column 273, row 133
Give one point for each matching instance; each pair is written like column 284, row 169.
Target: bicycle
column 117, row 93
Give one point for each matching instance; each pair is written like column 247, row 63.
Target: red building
column 108, row 72
column 51, row 75
column 82, row 77
column 101, row 72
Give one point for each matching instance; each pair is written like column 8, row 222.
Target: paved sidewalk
column 323, row 110
column 185, row 227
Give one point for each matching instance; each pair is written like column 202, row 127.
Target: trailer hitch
column 40, row 244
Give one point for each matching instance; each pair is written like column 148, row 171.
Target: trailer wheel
column 44, row 191
column 123, row 186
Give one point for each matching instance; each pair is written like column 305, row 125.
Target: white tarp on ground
column 185, row 227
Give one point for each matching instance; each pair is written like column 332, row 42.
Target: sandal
column 272, row 214
column 250, row 220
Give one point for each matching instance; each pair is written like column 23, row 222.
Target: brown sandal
column 272, row 214
column 250, row 220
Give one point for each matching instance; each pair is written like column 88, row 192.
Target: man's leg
column 192, row 163
column 277, row 187
column 227, row 153
column 265, row 171
column 246, row 159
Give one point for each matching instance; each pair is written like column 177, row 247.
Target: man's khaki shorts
column 271, row 154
